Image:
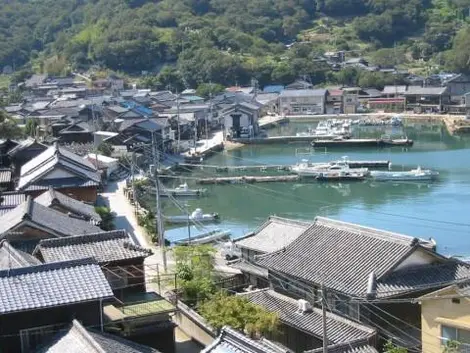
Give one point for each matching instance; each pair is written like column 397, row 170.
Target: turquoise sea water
column 440, row 209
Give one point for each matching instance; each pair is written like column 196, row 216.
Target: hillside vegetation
column 224, row 41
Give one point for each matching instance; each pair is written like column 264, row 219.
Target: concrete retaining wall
column 194, row 325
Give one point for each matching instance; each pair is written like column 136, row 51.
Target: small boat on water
column 379, row 142
column 197, row 216
column 341, row 176
column 205, row 238
column 417, row 174
column 307, row 169
column 181, row 190
column 326, row 130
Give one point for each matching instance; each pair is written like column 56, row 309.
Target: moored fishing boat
column 205, row 238
column 196, row 216
column 181, row 190
column 417, row 174
column 307, row 169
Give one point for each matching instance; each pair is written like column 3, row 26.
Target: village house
column 23, row 152
column 273, row 235
column 241, row 120
column 334, row 101
column 445, row 318
column 38, row 301
column 6, row 181
column 299, row 85
column 67, row 205
column 232, row 341
column 301, row 324
column 63, row 170
column 30, row 222
column 302, row 102
column 79, row 131
column 426, row 99
column 122, row 262
column 81, row 339
column 357, row 264
column 5, row 146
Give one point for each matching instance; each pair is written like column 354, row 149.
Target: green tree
column 458, row 58
column 106, row 149
column 195, row 272
column 389, row 347
column 107, row 218
column 452, row 347
column 207, row 89
column 8, row 128
column 237, row 312
column 31, row 127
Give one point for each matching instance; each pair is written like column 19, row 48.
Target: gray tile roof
column 342, row 255
column 25, row 144
column 13, row 258
column 56, row 156
column 250, row 268
column 302, row 93
column 41, row 185
column 394, row 89
column 340, row 329
column 54, row 198
column 423, row 277
column 39, row 216
column 232, row 341
column 418, row 90
column 103, row 247
column 275, row 234
column 5, row 175
column 48, row 285
column 359, row 346
column 78, row 339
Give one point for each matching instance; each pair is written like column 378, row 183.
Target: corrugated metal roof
column 418, row 90
column 340, row 329
column 12, row 198
column 360, row 346
column 49, row 285
column 5, row 175
column 342, row 255
column 275, row 234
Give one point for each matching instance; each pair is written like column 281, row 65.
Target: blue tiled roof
column 273, row 88
column 59, row 283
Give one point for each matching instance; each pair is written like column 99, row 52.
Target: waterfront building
column 356, row 264
column 241, row 120
column 302, row 101
column 426, row 99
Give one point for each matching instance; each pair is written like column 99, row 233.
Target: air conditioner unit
column 303, row 306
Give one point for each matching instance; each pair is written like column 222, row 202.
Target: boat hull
column 404, row 176
column 362, row 143
column 208, row 218
column 205, row 238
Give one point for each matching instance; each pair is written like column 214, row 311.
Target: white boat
column 307, row 169
column 196, row 216
column 325, row 130
column 182, row 190
column 204, row 238
column 417, row 174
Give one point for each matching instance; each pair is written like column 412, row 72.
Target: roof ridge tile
column 47, row 267
column 84, row 238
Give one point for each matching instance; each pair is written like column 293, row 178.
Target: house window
column 449, row 333
column 33, row 338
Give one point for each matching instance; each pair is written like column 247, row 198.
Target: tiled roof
column 342, row 255
column 423, row 277
column 340, row 329
column 425, row 90
column 248, row 267
column 275, row 234
column 394, row 89
column 28, row 143
column 360, row 346
column 54, row 284
column 103, row 247
column 232, row 341
column 302, row 93
column 5, row 175
column 55, row 156
column 77, row 339
column 52, row 198
column 45, row 218
column 13, row 258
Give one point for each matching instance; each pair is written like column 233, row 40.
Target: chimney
column 372, row 286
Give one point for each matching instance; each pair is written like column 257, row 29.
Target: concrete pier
column 248, row 179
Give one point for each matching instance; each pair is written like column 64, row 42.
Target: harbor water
column 438, row 209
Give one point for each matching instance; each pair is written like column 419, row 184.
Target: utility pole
column 132, row 178
column 323, row 309
column 178, row 120
column 158, row 217
column 210, row 113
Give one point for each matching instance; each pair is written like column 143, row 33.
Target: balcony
column 139, row 314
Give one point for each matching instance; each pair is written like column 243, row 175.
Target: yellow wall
column 435, row 312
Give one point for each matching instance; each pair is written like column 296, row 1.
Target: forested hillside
column 231, row 41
